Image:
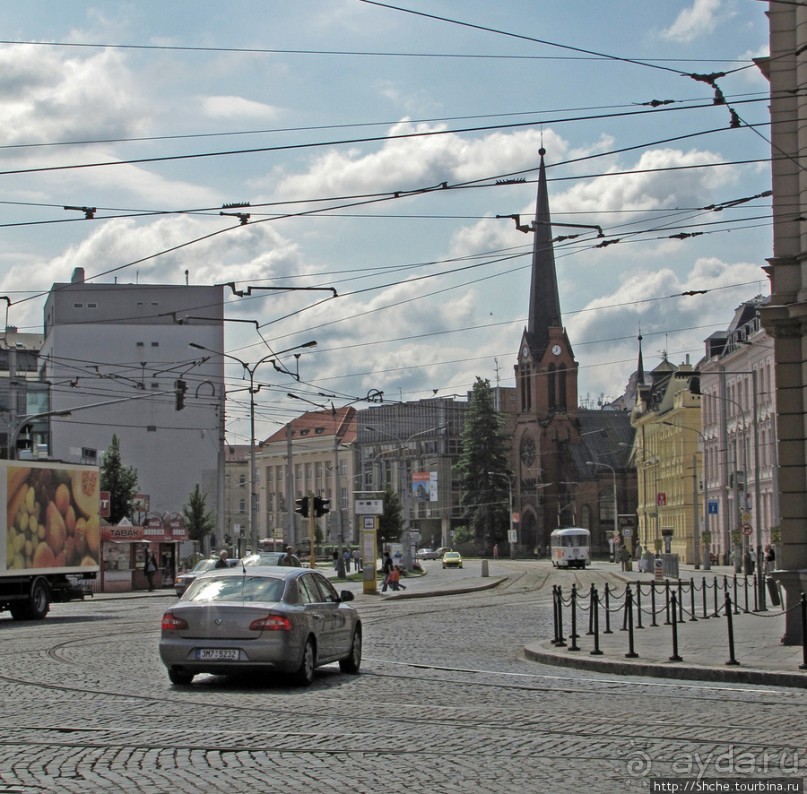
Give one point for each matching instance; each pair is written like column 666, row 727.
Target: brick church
column 570, row 463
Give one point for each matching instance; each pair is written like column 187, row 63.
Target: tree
column 484, row 497
column 119, row 480
column 390, row 524
column 198, row 519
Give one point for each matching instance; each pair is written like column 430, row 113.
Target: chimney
column 78, row 276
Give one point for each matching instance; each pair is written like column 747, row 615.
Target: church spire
column 544, row 311
column 640, row 365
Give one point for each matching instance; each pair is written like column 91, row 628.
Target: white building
column 738, row 410
column 112, row 355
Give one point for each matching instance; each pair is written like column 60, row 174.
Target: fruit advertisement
column 52, row 517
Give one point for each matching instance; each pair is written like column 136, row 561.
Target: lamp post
column 613, row 475
column 250, row 370
column 513, row 543
column 654, row 461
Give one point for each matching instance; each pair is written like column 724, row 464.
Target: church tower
column 546, row 372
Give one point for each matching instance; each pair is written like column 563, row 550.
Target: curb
column 739, row 675
column 495, row 582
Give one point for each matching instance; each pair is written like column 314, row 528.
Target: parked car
column 427, row 554
column 271, row 558
column 183, row 580
column 286, row 620
column 452, row 559
column 441, row 551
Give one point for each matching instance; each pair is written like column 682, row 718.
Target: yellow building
column 667, row 456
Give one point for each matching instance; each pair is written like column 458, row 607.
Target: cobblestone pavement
column 447, row 702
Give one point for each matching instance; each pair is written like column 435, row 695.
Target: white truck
column 52, row 534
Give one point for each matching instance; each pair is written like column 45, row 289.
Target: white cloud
column 234, row 108
column 698, row 20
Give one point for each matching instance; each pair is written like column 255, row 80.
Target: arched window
column 550, row 383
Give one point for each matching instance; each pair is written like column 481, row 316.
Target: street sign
column 626, row 532
column 511, row 536
column 661, row 499
column 712, row 505
column 369, row 507
column 747, row 529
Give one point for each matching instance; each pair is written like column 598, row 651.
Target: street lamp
column 613, row 474
column 510, row 491
column 250, row 370
column 654, row 460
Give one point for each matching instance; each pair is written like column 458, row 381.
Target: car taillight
column 271, row 623
column 172, row 623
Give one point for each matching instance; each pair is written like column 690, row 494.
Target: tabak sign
column 156, row 527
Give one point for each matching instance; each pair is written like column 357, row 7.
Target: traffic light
column 302, row 506
column 321, row 506
column 180, row 387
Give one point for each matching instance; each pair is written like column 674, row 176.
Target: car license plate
column 218, row 654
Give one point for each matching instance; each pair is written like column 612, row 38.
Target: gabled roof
column 339, row 423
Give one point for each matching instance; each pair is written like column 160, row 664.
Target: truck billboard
column 52, row 518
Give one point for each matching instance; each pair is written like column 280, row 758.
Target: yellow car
column 452, row 559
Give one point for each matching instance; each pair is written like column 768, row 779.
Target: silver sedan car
column 265, row 619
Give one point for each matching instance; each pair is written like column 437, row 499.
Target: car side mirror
column 345, row 595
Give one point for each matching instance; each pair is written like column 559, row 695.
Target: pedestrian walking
column 356, row 560
column 386, row 570
column 336, row 560
column 150, row 568
column 395, row 579
column 770, row 559
column 495, row 551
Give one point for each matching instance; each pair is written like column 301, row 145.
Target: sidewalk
column 703, row 644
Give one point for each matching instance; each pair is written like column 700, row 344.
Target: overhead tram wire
column 352, row 141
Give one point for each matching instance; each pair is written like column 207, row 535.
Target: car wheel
column 179, row 677
column 304, row 674
column 352, row 662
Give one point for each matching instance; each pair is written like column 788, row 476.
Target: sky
column 375, row 144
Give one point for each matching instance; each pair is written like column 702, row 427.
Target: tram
column 570, row 547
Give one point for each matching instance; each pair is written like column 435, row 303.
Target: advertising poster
column 52, row 517
column 424, row 486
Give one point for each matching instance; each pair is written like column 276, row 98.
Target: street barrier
column 666, row 598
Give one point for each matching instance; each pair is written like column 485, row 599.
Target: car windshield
column 204, row 565
column 452, row 554
column 235, row 588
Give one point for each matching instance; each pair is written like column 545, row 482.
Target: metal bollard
column 555, row 627
column 639, row 606
column 631, row 654
column 590, row 610
column 716, row 613
column 561, row 639
column 675, row 657
column 732, row 660
column 756, row 593
column 692, row 618
column 667, row 602
column 703, row 598
column 680, row 603
column 607, row 611
column 803, row 665
column 746, row 597
column 574, row 646
column 595, row 608
column 653, row 603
